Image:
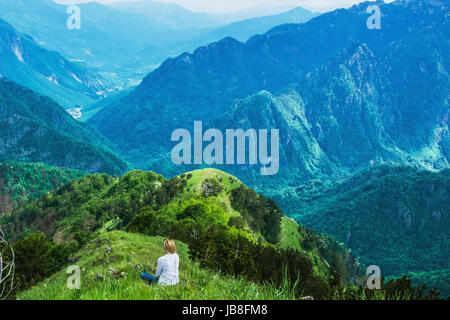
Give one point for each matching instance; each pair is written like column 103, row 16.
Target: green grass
column 129, row 250
column 228, row 183
column 289, row 234
column 198, row 176
column 381, row 295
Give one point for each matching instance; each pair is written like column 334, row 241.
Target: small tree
column 7, row 267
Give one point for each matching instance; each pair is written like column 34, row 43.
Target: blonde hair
column 169, row 246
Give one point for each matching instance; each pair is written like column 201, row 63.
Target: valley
column 294, row 146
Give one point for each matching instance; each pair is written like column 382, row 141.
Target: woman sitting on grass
column 167, row 270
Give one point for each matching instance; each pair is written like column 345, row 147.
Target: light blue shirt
column 167, row 270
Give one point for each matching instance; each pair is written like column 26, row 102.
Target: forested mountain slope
column 34, row 128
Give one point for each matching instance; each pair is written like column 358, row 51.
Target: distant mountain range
column 170, row 14
column 244, row 29
column 127, row 40
column 24, row 61
column 107, row 35
column 344, row 97
column 181, row 18
column 34, row 128
column 104, row 30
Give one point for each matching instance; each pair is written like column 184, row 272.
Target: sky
column 224, row 6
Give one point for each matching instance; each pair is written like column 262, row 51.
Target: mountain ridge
column 204, row 205
column 35, row 128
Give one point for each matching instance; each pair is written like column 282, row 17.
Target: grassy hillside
column 112, row 262
column 20, row 181
column 133, row 254
column 233, row 243
column 92, row 202
column 291, row 236
column 243, row 233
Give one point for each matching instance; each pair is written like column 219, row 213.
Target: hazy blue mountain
column 175, row 41
column 104, row 30
column 170, row 14
column 178, row 17
column 256, row 11
column 34, row 128
column 243, row 30
column 47, row 72
column 107, row 39
column 358, row 96
column 340, row 118
column 123, row 45
column 125, row 41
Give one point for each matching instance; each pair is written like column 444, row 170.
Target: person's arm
column 159, row 269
